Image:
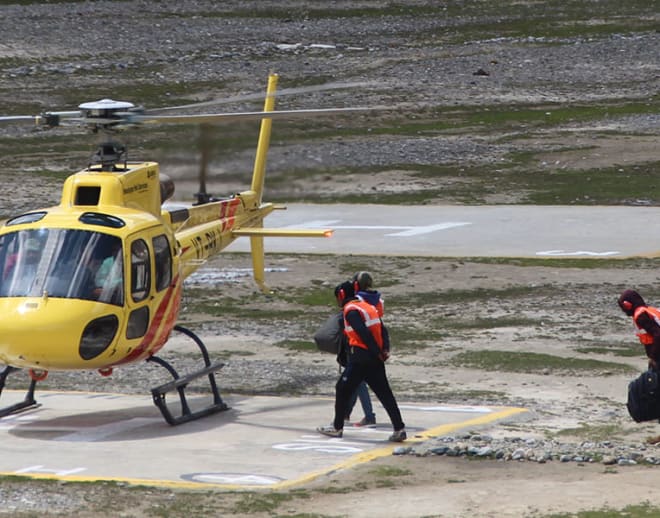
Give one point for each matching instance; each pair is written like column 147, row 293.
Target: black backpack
column 330, row 335
column 644, row 397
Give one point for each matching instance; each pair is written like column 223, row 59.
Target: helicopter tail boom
column 282, row 232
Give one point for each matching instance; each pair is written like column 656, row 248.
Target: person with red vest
column 363, row 286
column 647, row 321
column 366, row 362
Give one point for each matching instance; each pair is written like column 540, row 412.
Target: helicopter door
column 141, row 281
column 140, row 286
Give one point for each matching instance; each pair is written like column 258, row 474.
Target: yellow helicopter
column 96, row 282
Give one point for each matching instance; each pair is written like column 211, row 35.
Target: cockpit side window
column 163, row 257
column 140, row 270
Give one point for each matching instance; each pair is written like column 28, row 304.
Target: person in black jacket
column 362, row 391
column 647, row 321
column 366, row 362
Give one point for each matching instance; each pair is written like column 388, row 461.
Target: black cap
column 629, row 301
column 345, row 289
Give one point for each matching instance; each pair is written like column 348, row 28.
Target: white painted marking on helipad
column 427, row 229
column 322, row 445
column 405, row 230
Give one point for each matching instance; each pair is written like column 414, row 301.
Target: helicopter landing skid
column 179, row 383
column 27, row 403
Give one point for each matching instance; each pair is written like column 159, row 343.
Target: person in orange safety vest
column 366, row 362
column 647, row 321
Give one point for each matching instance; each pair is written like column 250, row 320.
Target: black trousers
column 363, row 367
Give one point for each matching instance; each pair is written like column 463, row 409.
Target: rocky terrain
column 486, row 103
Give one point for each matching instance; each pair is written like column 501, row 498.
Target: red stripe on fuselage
column 167, row 312
column 228, row 209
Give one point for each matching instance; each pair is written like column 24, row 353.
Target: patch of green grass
column 644, row 510
column 594, row 433
column 480, row 120
column 554, row 19
column 298, row 345
column 484, row 323
column 335, row 490
column 317, row 296
column 389, row 476
column 38, row 2
column 390, row 471
column 148, row 93
column 607, row 186
column 586, row 263
column 58, row 147
column 462, row 296
column 198, row 300
column 546, row 115
column 408, row 339
column 252, row 503
column 515, row 361
column 598, row 349
column 480, row 395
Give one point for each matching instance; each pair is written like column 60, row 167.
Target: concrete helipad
column 259, row 442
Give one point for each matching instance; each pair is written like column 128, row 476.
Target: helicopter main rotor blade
column 209, row 118
column 44, row 119
column 261, row 96
column 9, row 118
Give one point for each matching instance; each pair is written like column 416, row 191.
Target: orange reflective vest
column 654, row 313
column 380, row 307
column 371, row 320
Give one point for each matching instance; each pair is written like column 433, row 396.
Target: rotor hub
column 105, row 107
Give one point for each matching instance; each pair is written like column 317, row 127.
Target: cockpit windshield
column 62, row 263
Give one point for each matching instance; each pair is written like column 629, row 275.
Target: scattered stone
column 541, row 451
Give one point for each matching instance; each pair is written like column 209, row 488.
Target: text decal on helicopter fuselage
column 136, row 188
column 211, row 241
column 207, row 243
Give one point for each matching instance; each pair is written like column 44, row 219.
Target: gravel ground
column 425, row 61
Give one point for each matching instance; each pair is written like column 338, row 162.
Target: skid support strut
column 29, row 400
column 179, row 383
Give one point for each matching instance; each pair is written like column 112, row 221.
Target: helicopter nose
column 54, row 333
